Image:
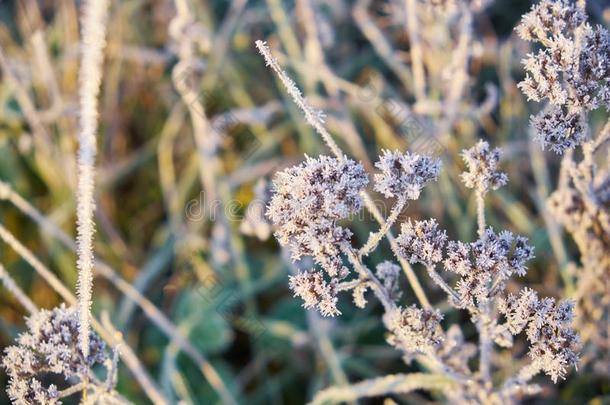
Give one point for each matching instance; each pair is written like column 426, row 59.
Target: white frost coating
column 93, row 33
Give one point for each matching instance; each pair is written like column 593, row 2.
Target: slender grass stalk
column 93, row 32
column 17, row 292
column 480, row 213
column 376, row 237
column 392, row 384
column 417, row 55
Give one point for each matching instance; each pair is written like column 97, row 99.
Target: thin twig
column 17, row 292
column 376, row 237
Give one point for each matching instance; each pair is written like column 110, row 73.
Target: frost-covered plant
column 404, row 175
column 307, row 203
column 310, row 198
column 90, row 78
column 572, row 72
column 50, row 347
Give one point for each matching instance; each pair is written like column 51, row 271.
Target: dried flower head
column 388, row 272
column 553, row 343
column 421, row 242
column 590, row 76
column 50, row 346
column 558, row 130
column 482, row 165
column 550, row 19
column 414, row 330
column 571, row 72
column 404, row 174
column 491, row 257
column 315, row 292
column 307, row 202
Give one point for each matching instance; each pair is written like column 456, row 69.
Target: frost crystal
column 404, row 174
column 50, row 346
column 308, row 201
column 482, row 165
column 421, row 242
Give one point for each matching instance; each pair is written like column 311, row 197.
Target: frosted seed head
column 50, row 345
column 308, row 200
column 558, row 129
column 553, row 343
column 491, row 257
column 421, row 242
column 414, row 330
column 482, row 164
column 315, row 292
column 388, row 273
column 404, row 175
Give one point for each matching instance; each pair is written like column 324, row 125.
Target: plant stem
column 406, row 267
column 367, row 274
column 417, row 59
column 485, row 343
column 481, row 212
column 376, row 237
column 441, row 283
column 314, row 120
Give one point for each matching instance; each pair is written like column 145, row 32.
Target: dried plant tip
column 404, row 175
column 482, row 164
column 414, row 330
column 358, row 295
column 558, row 130
column 50, row 346
column 388, row 273
column 315, row 292
column 307, row 202
column 553, row 343
column 421, row 242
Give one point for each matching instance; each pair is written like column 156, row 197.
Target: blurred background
column 179, row 211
